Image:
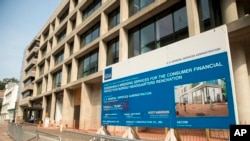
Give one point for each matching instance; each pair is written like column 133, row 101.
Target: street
column 4, row 132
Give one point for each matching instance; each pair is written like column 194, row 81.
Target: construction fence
column 32, row 132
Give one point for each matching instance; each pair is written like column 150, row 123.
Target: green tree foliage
column 7, row 80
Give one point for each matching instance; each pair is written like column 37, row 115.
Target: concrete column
column 76, row 43
column 48, row 48
column 229, row 11
column 54, row 42
column 71, row 6
column 46, row 65
column 241, row 82
column 85, row 108
column 19, row 116
column 74, row 69
column 57, row 22
column 37, row 71
column 53, row 106
column 78, row 17
column 34, row 90
column 90, row 106
column 123, row 10
column 123, row 45
column 69, row 27
column 50, row 79
column 68, row 108
column 103, row 24
column 51, row 28
column 64, row 74
column 44, row 85
column 52, row 61
column 44, row 105
column 193, row 17
column 66, row 51
column 102, row 56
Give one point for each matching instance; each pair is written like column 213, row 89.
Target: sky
column 20, row 22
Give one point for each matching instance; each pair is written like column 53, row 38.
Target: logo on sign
column 108, row 74
column 239, row 132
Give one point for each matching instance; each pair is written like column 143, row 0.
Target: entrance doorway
column 77, row 105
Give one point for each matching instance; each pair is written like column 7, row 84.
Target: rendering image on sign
column 207, row 98
column 173, row 88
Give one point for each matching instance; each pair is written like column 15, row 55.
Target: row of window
column 114, row 16
column 168, row 27
column 87, row 65
column 165, row 28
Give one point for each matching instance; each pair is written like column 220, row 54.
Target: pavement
column 4, row 132
column 197, row 110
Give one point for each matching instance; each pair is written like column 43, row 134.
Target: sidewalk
column 4, row 132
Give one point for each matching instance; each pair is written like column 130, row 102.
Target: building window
column 32, row 58
column 73, row 24
column 29, row 81
column 90, row 35
column 136, row 5
column 71, row 48
column 51, row 43
column 75, row 2
column 113, row 51
column 69, row 67
column 59, row 57
column 114, row 18
column 91, row 9
column 53, row 25
column 168, row 27
column 88, row 64
column 61, row 35
column 27, row 93
column 41, row 69
column 48, row 64
column 43, row 51
column 63, row 15
column 39, row 87
column 209, row 14
column 46, row 35
column 57, row 78
column 30, row 70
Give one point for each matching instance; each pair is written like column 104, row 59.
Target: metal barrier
column 81, row 136
column 15, row 131
column 45, row 136
column 31, row 132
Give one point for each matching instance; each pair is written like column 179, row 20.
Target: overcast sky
column 20, row 22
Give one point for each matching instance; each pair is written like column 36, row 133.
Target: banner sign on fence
column 187, row 84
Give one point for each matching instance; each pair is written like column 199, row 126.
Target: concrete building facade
column 62, row 73
column 9, row 102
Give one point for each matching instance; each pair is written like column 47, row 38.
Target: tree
column 6, row 81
